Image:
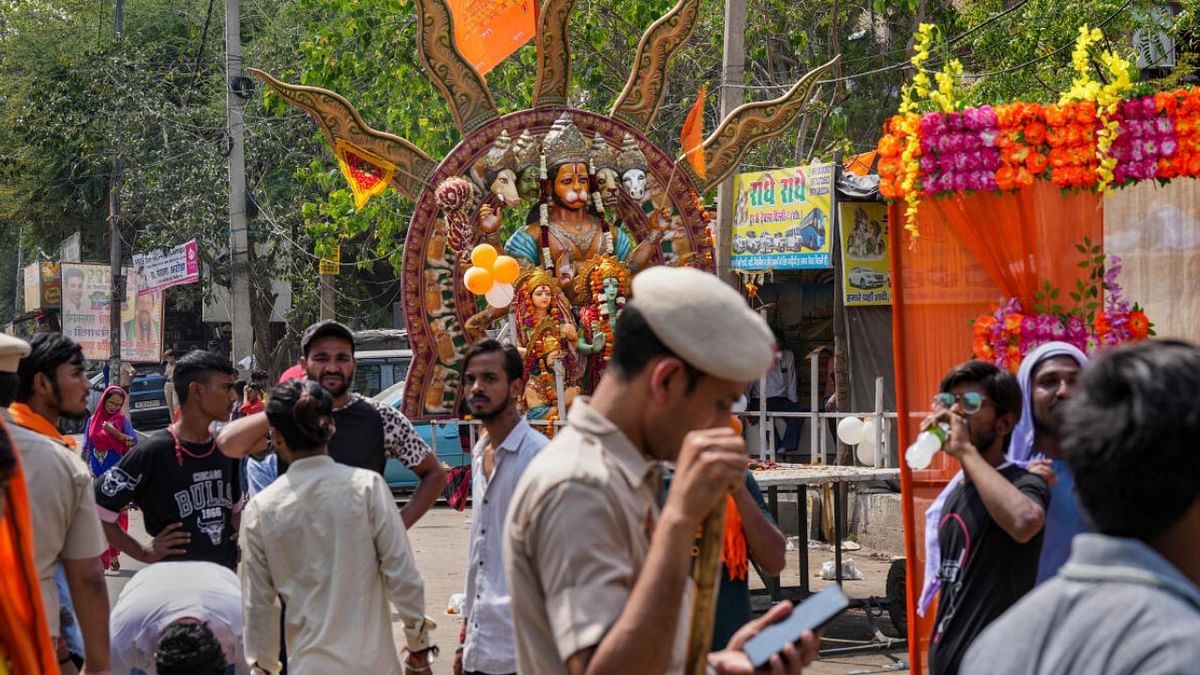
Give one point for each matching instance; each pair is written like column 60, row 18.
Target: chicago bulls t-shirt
column 195, row 485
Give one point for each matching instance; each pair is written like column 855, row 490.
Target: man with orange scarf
column 25, row 645
column 66, row 526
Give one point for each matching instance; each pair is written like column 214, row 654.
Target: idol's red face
column 571, row 186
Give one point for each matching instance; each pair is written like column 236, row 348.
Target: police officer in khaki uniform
column 598, row 571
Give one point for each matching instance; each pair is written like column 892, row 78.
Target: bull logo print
column 116, row 480
column 214, row 527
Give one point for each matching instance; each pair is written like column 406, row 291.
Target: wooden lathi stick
column 704, row 604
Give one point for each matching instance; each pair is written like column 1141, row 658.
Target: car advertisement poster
column 868, row 276
column 781, row 218
column 85, row 316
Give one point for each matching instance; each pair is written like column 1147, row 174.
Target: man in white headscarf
column 1047, row 376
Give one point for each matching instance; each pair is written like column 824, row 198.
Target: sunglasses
column 971, row 401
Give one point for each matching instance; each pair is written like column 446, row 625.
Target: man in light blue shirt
column 1128, row 598
column 493, row 376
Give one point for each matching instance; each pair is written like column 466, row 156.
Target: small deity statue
column 529, row 181
column 568, row 223
column 606, row 280
column 499, row 176
column 604, row 164
column 633, row 168
column 546, row 333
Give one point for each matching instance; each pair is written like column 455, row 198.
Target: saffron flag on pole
column 488, row 31
column 691, row 139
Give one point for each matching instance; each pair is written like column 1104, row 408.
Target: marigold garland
column 1092, row 139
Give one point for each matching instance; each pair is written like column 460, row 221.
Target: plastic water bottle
column 920, row 453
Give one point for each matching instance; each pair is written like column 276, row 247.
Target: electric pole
column 732, row 95
column 237, row 91
column 114, row 225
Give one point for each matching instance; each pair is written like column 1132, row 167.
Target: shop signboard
column 781, row 218
column 86, row 291
column 42, row 286
column 158, row 271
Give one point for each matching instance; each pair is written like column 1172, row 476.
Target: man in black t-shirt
column 368, row 432
column 188, row 491
column 990, row 533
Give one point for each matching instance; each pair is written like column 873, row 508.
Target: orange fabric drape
column 24, row 635
column 974, row 251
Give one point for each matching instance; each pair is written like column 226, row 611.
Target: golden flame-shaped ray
column 470, row 100
column 750, row 124
column 553, row 85
column 341, row 122
column 639, row 102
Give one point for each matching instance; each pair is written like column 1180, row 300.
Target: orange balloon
column 484, row 255
column 735, row 423
column 478, row 280
column 506, row 269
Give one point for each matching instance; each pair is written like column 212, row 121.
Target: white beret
column 12, row 350
column 705, row 322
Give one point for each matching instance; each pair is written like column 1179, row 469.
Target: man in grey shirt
column 1127, row 601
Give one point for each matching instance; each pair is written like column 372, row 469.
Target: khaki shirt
column 578, row 533
column 62, row 506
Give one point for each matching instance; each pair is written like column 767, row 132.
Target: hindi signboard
column 85, row 300
column 781, row 218
column 867, row 275
column 331, row 266
column 158, row 271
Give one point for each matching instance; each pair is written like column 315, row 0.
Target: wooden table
column 799, row 477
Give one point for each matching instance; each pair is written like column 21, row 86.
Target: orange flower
column 983, row 325
column 1193, row 165
column 1006, row 178
column 983, row 349
column 889, row 166
column 1056, row 137
column 1102, row 325
column 1085, row 113
column 1167, row 102
column 1036, row 163
column 1139, row 325
column 889, row 146
column 1013, row 352
column 1024, row 178
column 1055, row 115
column 1035, row 133
column 1012, row 323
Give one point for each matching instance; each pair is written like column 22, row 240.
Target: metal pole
column 814, row 446
column 114, row 226
column 239, row 286
column 732, row 95
column 879, row 449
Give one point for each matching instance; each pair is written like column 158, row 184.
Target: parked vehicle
column 377, row 370
column 447, row 440
column 147, row 401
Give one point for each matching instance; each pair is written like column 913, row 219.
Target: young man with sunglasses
column 990, row 532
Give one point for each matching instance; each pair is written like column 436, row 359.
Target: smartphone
column 811, row 614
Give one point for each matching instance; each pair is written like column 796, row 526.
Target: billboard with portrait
column 85, row 299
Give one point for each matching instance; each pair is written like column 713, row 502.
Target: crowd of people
column 1077, row 499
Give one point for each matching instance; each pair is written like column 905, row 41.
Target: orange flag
column 691, row 139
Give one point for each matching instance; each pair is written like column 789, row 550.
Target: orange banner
column 487, row 31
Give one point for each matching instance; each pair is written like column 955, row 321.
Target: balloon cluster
column 492, row 275
column 862, row 433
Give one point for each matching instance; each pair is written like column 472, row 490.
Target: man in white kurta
column 326, row 539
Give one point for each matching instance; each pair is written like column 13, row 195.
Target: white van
column 379, row 369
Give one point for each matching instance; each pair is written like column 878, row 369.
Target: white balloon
column 500, row 295
column 865, row 454
column 850, row 430
column 869, row 444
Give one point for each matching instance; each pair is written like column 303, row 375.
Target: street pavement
column 439, row 542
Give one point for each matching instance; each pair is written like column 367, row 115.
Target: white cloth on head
column 1020, row 451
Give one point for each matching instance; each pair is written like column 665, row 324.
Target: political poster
column 158, row 271
column 866, row 273
column 85, row 301
column 141, row 325
column 781, row 218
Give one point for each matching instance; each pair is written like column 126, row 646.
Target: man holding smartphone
column 597, row 569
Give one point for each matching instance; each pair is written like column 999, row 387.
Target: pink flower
column 959, row 182
column 928, row 164
column 1165, row 126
